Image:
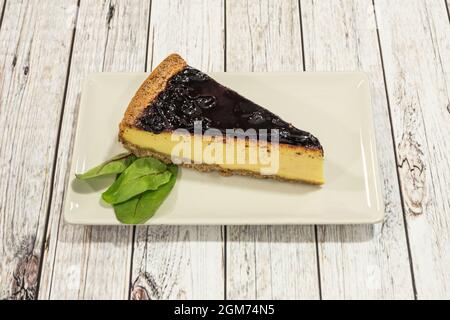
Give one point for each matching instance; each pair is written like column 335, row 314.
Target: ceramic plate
column 335, row 107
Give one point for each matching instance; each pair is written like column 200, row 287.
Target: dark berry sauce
column 191, row 96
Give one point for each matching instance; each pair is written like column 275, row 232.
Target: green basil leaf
column 139, row 209
column 113, row 166
column 142, row 175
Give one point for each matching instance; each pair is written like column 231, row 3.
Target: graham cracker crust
column 150, row 88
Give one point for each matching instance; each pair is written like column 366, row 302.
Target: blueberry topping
column 191, row 96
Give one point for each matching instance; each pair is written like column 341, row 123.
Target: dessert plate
column 335, row 107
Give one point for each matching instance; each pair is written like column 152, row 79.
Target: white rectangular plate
column 335, row 107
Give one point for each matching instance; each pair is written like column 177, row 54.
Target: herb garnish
column 140, row 188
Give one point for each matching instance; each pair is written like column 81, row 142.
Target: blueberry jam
column 191, row 96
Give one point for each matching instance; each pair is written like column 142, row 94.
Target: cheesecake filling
column 292, row 163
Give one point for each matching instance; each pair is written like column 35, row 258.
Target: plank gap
column 109, row 16
column 133, row 236
column 395, row 153
column 225, row 262
column 225, row 37
column 181, row 262
column 148, row 37
column 224, row 228
column 268, row 262
column 416, row 71
column 318, row 262
column 55, row 156
column 447, row 5
column 319, row 282
column 365, row 262
column 95, row 260
column 130, row 284
column 302, row 42
column 2, row 13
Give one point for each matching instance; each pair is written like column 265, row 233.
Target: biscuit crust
column 150, row 89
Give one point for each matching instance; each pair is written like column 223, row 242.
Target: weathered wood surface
column 359, row 261
column 268, row 262
column 92, row 262
column 34, row 54
column 39, row 100
column 416, row 53
column 186, row 262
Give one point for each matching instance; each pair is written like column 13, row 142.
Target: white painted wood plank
column 268, row 262
column 359, row 262
column 172, row 262
column 34, row 54
column 416, row 50
column 93, row 262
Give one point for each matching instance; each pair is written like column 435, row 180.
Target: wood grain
column 172, row 262
column 268, row 262
column 359, row 262
column 34, row 54
column 416, row 49
column 92, row 262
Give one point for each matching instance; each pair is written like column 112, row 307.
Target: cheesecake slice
column 181, row 115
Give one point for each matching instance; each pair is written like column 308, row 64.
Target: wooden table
column 47, row 48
